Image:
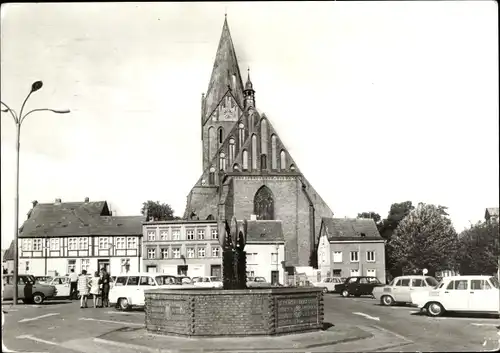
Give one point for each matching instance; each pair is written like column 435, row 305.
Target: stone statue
column 233, row 256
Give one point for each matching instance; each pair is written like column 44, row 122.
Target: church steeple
column 249, row 93
column 225, row 74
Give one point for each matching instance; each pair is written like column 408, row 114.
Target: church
column 248, row 172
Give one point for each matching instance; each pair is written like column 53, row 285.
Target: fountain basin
column 240, row 312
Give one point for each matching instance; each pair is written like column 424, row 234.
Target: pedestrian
column 73, row 278
column 83, row 288
column 105, row 288
column 94, row 288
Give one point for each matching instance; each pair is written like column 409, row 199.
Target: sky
column 377, row 102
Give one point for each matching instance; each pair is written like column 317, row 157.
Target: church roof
column 264, row 232
column 8, row 255
column 338, row 229
column 225, row 66
column 492, row 212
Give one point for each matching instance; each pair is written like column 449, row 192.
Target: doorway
column 151, row 269
column 216, row 271
column 182, row 270
column 275, row 277
column 103, row 263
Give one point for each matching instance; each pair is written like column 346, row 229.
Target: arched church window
column 236, row 167
column 282, row 160
column 210, row 217
column 211, row 141
column 241, row 134
column 232, row 150
column 263, row 136
column 245, row 160
column 221, row 135
column 211, row 176
column 263, row 162
column 222, row 161
column 292, row 167
column 274, row 157
column 254, row 152
column 263, row 204
column 250, row 122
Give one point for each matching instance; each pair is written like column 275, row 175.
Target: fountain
column 233, row 310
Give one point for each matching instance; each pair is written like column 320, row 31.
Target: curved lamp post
column 18, row 120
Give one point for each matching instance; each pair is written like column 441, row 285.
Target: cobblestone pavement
column 61, row 326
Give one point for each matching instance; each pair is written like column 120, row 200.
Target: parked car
column 62, row 284
column 477, row 294
column 258, row 282
column 329, row 284
column 400, row 289
column 207, row 282
column 27, row 288
column 358, row 286
column 128, row 289
column 185, row 279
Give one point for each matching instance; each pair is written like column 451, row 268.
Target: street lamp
column 18, row 120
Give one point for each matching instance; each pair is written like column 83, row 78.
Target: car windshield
column 163, row 280
column 431, row 281
column 494, row 282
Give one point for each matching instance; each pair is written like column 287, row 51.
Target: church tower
column 249, row 93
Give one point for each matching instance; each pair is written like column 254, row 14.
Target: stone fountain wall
column 212, row 312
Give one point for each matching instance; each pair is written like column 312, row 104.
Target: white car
column 478, row 294
column 62, row 284
column 128, row 289
column 207, row 282
column 328, row 284
column 400, row 289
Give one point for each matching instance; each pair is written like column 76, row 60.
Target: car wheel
column 345, row 293
column 387, row 300
column 435, row 309
column 38, row 298
column 325, row 290
column 123, row 304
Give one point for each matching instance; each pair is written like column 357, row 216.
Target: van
column 128, row 289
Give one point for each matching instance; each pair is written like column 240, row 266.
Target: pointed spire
column 225, row 73
column 249, row 84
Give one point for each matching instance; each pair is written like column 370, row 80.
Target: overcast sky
column 377, row 102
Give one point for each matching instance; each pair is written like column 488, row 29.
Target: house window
column 222, row 161
column 215, row 251
column 282, row 160
column 254, row 152
column 232, row 150
column 151, row 235
column 151, row 253
column 85, row 264
column 164, row 234
column 72, row 244
column 176, row 253
column 164, row 253
column 370, row 256
column 250, row 273
column 251, row 258
column 83, row 243
column 37, row 244
column 176, row 234
column 71, row 265
column 371, row 272
column 201, row 234
column 354, row 272
column 190, row 234
column 274, row 258
column 201, row 252
column 120, row 243
column 103, row 243
column 131, row 243
column 124, row 265
column 54, row 244
column 354, row 256
column 215, row 234
column 337, row 256
column 26, row 245
column 190, row 253
column 245, row 160
column 27, row 264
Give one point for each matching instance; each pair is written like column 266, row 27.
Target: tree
column 479, row 249
column 425, row 239
column 158, row 211
column 375, row 216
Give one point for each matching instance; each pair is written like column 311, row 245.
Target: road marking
column 367, row 316
column 38, row 317
column 125, row 312
column 36, row 339
column 112, row 321
column 484, row 324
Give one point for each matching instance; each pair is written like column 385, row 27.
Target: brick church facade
column 247, row 170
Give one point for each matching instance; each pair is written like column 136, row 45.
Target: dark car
column 27, row 289
column 358, row 286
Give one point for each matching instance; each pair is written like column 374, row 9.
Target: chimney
column 57, row 202
column 35, row 202
column 86, row 199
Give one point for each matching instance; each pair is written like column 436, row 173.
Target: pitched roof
column 9, row 253
column 350, row 229
column 264, row 231
column 225, row 66
column 492, row 211
column 76, row 219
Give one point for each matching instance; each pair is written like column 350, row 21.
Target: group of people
column 98, row 286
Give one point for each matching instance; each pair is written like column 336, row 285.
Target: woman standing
column 83, row 288
column 94, row 288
